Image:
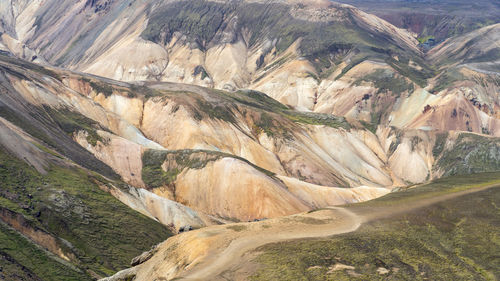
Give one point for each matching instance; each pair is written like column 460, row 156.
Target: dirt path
column 339, row 221
column 328, row 222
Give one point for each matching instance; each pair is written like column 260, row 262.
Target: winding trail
column 323, row 223
column 340, row 221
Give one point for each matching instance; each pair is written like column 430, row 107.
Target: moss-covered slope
column 453, row 240
column 93, row 231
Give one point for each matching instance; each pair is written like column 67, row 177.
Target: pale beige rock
column 323, row 196
column 231, row 188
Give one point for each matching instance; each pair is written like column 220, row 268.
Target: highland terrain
column 249, row 140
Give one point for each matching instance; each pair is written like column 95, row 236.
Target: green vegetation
column 221, row 112
column 100, row 233
column 200, row 70
column 424, row 39
column 439, row 144
column 102, row 88
column 20, row 258
column 72, row 122
column 313, row 118
column 452, row 240
column 419, row 77
column 326, row 59
column 396, row 142
column 267, row 124
column 386, row 81
column 437, row 187
column 198, row 19
column 237, row 227
column 47, row 150
column 446, row 79
column 357, row 60
column 258, row 100
column 370, row 126
column 153, row 174
column 148, row 92
column 380, row 105
column 471, row 154
column 279, row 62
column 132, row 90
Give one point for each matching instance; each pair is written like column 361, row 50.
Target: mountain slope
column 314, row 56
column 358, row 241
column 280, row 155
column 251, row 37
column 451, row 239
column 480, row 46
column 438, row 20
column 61, row 226
column 224, row 112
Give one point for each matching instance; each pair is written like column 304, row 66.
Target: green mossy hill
column 386, row 81
column 470, row 153
column 263, row 102
column 456, row 239
column 447, row 79
column 88, row 223
column 21, row 260
column 153, row 174
column 55, row 129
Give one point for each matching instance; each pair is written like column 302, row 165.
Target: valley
column 249, row 140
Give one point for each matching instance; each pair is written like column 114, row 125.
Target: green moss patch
column 263, row 102
column 101, row 232
column 386, row 81
column 72, row 122
column 176, row 161
column 452, row 240
column 470, row 154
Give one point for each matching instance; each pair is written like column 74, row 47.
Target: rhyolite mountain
column 429, row 19
column 144, row 119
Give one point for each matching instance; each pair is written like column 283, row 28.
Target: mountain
column 123, row 123
column 315, row 56
column 69, row 125
column 429, row 19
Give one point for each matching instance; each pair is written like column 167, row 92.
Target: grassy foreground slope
column 457, row 239
column 65, row 210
